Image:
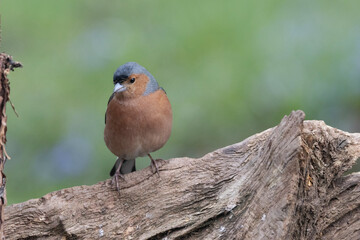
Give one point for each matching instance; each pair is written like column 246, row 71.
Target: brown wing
column 111, row 97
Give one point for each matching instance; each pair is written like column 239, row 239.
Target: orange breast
column 138, row 126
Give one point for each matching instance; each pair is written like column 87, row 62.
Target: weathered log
column 284, row 183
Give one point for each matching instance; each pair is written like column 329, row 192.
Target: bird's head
column 133, row 80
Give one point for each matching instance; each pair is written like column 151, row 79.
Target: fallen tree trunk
column 284, row 183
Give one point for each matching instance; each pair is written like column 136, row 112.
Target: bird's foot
column 154, row 165
column 115, row 179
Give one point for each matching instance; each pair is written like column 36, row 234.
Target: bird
column 138, row 118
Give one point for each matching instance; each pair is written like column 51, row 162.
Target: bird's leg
column 154, row 165
column 117, row 175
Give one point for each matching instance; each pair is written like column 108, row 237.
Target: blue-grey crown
column 134, row 68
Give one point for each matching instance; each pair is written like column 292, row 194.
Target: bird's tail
column 127, row 166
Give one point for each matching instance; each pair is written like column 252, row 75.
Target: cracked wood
column 284, row 183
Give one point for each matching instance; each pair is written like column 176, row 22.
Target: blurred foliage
column 230, row 68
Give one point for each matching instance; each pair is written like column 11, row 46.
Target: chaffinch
column 138, row 118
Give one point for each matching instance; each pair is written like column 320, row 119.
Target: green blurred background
column 230, row 68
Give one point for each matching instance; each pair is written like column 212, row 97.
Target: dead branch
column 6, row 65
column 284, row 183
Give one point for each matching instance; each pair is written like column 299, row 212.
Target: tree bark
column 284, row 183
column 6, row 64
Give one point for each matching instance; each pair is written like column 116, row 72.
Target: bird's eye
column 132, row 80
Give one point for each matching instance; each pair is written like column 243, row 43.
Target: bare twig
column 6, row 65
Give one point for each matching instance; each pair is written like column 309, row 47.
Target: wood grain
column 284, row 183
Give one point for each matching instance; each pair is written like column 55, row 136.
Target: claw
column 154, row 165
column 117, row 175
